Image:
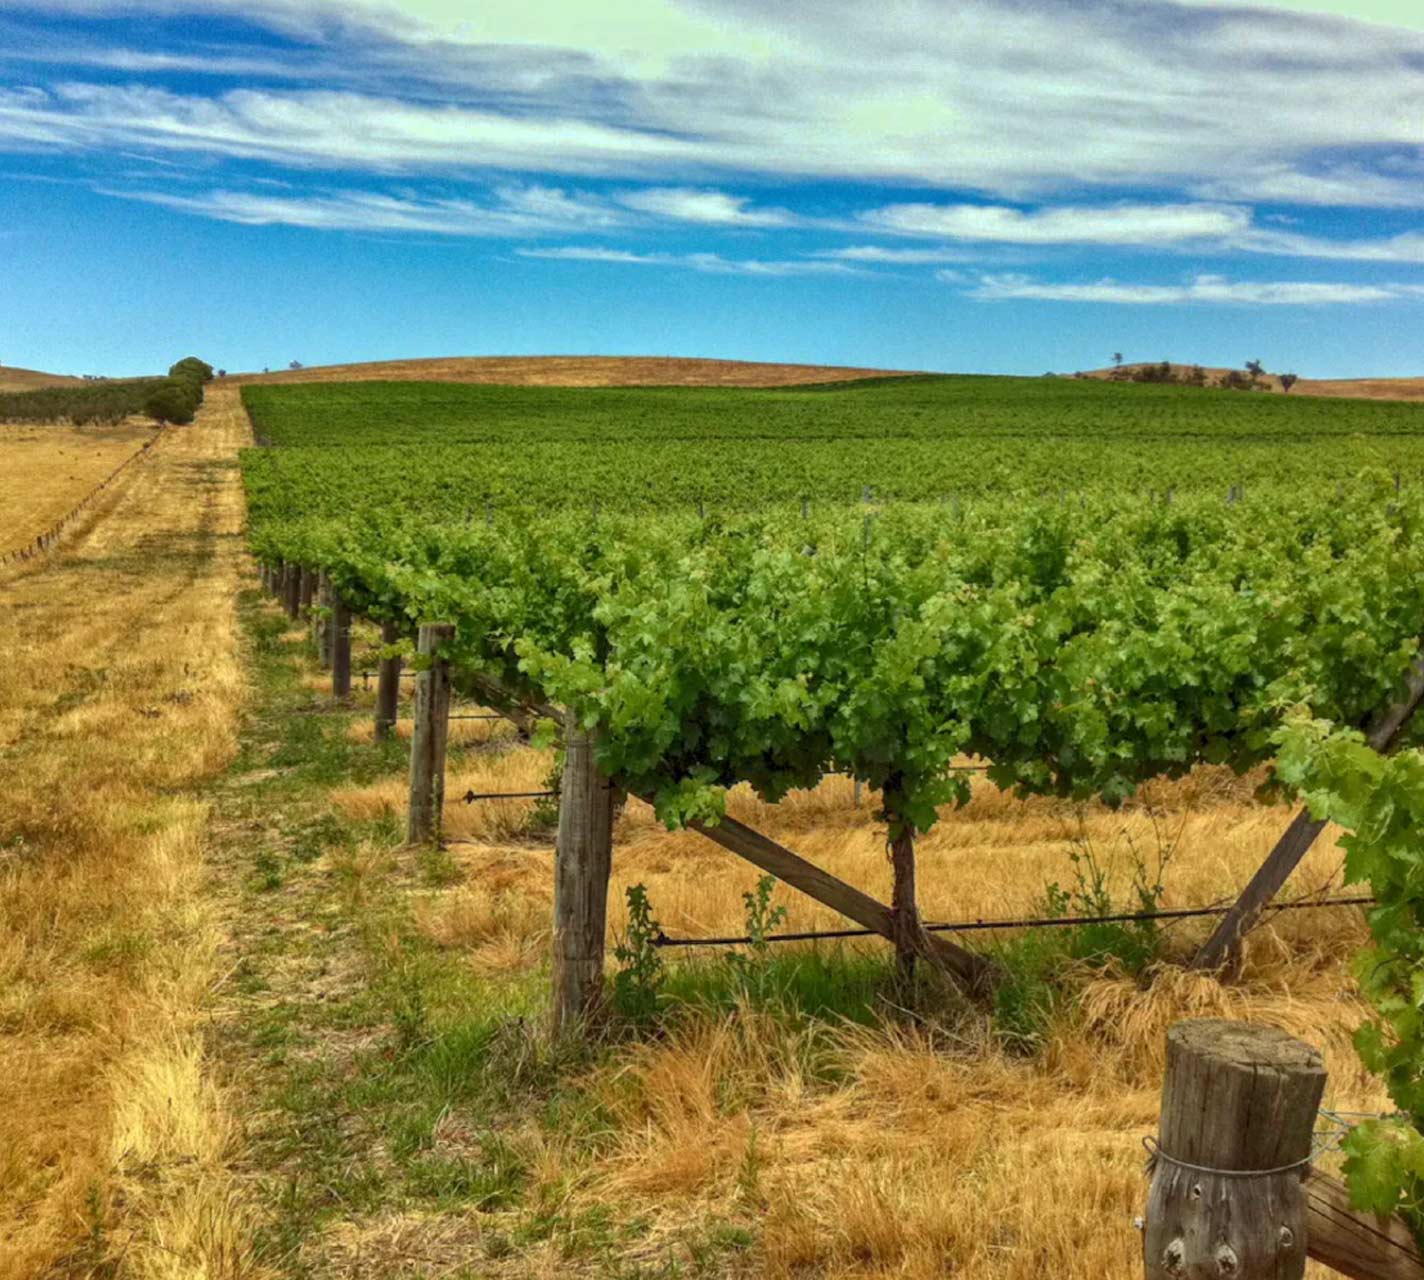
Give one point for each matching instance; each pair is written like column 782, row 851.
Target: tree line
column 174, row 398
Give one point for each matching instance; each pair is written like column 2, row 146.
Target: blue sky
column 983, row 185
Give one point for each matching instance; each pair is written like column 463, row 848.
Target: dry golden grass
column 934, row 1151
column 1363, row 388
column 33, row 379
column 574, row 371
column 45, row 471
column 118, row 693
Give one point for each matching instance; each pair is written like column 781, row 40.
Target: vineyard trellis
column 1081, row 615
column 583, row 854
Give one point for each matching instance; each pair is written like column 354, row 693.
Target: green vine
column 1379, row 801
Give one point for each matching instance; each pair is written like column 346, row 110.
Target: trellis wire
column 974, row 926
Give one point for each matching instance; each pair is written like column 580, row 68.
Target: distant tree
column 171, row 401
column 222, row 373
column 1254, row 368
column 192, row 367
column 1196, row 376
column 295, row 364
column 1117, row 359
column 1288, row 380
column 265, row 369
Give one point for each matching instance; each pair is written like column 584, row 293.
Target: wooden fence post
column 427, row 741
column 340, row 628
column 321, row 633
column 388, row 685
column 292, row 590
column 582, row 861
column 1228, row 1174
column 308, row 590
column 274, row 582
column 1243, row 1098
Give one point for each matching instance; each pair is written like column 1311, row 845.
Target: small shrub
column 637, row 986
column 753, row 967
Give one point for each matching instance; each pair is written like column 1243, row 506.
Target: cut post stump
column 1228, row 1175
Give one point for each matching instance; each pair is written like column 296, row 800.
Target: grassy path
column 120, row 691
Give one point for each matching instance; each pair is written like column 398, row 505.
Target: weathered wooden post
column 388, row 685
column 427, row 741
column 340, row 628
column 1228, row 1192
column 321, row 624
column 292, row 590
column 274, row 583
column 582, row 861
column 308, row 590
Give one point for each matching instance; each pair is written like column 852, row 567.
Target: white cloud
column 708, row 208
column 328, row 130
column 1343, row 186
column 1116, row 224
column 1401, row 13
column 1408, row 246
column 984, row 95
column 880, row 254
column 708, row 263
column 1202, row 289
column 518, row 211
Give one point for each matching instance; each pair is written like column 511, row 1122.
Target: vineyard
column 723, row 602
column 1081, row 641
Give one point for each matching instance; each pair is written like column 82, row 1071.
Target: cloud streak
column 1116, row 94
column 514, row 211
column 1204, row 289
column 1116, row 224
column 707, row 263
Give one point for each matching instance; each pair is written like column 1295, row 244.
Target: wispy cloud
column 708, row 263
column 318, row 129
column 514, row 211
column 1114, row 224
column 687, row 94
column 707, row 208
column 875, row 254
column 1202, row 289
column 1340, row 185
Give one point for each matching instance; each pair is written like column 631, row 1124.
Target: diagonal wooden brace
column 972, row 971
column 1223, row 945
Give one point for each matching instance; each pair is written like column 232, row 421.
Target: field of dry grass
column 12, row 379
column 573, row 371
column 45, row 470
column 754, row 1135
column 119, row 695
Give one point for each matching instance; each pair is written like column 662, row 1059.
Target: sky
column 1001, row 186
